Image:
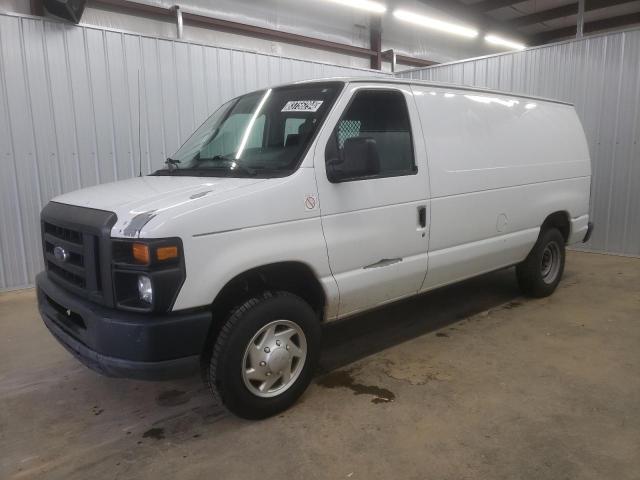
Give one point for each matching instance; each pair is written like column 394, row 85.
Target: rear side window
column 380, row 118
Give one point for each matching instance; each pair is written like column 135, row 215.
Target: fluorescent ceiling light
column 368, row 5
column 429, row 22
column 504, row 42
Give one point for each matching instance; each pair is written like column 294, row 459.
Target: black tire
column 224, row 371
column 531, row 272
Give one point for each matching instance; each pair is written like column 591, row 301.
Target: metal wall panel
column 69, row 113
column 601, row 76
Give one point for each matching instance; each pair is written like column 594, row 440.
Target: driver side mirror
column 358, row 158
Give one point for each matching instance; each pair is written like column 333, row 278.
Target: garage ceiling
column 544, row 21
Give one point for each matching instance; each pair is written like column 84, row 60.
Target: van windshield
column 262, row 134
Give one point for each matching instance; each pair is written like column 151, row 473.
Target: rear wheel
column 539, row 274
column 264, row 357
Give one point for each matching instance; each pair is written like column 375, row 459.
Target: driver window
column 291, row 127
column 378, row 121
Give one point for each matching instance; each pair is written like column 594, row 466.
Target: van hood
column 145, row 197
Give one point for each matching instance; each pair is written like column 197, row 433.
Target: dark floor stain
column 155, row 433
column 171, row 398
column 513, row 304
column 344, row 379
column 97, row 410
column 442, row 334
column 210, row 413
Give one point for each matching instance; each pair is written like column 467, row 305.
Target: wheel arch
column 560, row 220
column 292, row 276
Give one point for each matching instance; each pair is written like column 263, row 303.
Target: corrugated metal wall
column 601, row 76
column 69, row 113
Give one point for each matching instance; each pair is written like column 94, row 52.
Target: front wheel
column 539, row 273
column 264, row 357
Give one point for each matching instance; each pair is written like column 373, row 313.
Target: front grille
column 77, row 280
column 71, row 270
column 76, row 244
column 76, row 259
column 67, row 234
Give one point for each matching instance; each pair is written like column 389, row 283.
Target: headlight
column 145, row 290
column 147, row 273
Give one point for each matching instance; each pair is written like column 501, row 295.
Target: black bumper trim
column 124, row 344
column 118, row 367
column 587, row 235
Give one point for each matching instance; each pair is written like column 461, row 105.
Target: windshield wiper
column 239, row 167
column 235, row 164
column 219, row 158
column 171, row 163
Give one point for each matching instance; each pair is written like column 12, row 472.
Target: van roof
column 409, row 81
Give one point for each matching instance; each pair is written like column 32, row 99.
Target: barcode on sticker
column 302, row 106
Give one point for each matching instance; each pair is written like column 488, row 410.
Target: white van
column 302, row 204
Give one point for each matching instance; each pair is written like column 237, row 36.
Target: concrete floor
column 471, row 381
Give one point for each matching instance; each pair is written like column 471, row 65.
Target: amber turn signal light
column 166, row 253
column 141, row 253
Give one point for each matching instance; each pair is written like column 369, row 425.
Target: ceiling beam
column 242, row 28
column 488, row 5
column 589, row 27
column 261, row 32
column 544, row 15
column 277, row 35
column 36, row 8
column 413, row 61
column 375, row 41
column 563, row 11
column 479, row 20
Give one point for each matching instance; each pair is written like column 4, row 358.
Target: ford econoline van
column 302, row 204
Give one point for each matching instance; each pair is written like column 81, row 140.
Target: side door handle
column 422, row 216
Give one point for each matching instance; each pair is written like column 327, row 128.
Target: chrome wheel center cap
column 274, row 358
column 278, row 359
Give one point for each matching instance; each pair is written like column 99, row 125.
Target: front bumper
column 123, row 344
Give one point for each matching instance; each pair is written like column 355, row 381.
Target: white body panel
column 377, row 250
column 499, row 166
column 490, row 169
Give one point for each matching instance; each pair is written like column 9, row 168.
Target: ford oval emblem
column 60, row 253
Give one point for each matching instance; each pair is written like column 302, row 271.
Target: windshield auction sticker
column 302, row 106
